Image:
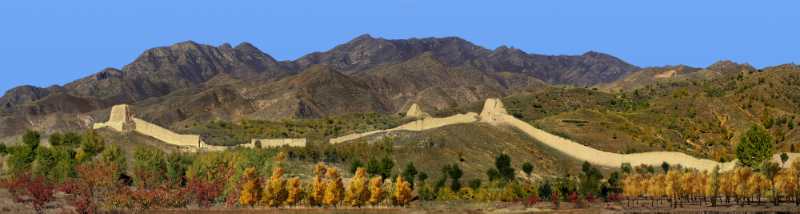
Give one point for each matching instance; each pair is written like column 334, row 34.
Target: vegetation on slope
column 699, row 117
column 228, row 133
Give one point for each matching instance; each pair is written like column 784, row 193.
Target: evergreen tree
column 455, row 173
column 527, row 167
column 410, row 172
column 503, row 165
column 754, row 147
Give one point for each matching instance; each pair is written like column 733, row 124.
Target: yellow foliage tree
column 295, row 192
column 250, row 188
column 795, row 167
column 357, row 193
column 375, row 190
column 741, row 179
column 727, row 185
column 318, row 185
column 674, row 185
column 275, row 190
column 402, row 192
column 334, row 189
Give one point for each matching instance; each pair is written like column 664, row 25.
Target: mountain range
column 179, row 85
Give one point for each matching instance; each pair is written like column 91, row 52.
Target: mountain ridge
column 239, row 82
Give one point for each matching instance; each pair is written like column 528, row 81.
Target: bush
column 527, row 167
column 176, row 166
column 91, row 144
column 114, row 155
column 475, row 183
column 36, row 191
column 149, row 167
column 20, row 158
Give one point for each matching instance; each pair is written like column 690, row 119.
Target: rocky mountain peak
column 730, row 66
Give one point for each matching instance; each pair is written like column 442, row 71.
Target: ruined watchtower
column 492, row 108
column 120, row 119
column 415, row 112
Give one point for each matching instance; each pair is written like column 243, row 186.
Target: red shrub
column 573, row 197
column 554, row 199
column 614, row 197
column 532, row 200
column 36, row 191
column 204, row 192
column 590, row 197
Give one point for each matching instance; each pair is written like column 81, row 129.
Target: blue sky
column 54, row 42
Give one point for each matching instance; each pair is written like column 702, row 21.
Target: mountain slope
column 187, row 82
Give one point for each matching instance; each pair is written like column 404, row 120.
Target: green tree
column 503, row 165
column 386, row 167
column 626, row 168
column 422, row 176
column 45, row 161
column 410, row 172
column 492, row 174
column 56, row 139
column 475, row 184
column 545, row 189
column 589, row 179
column 149, row 168
column 115, row 156
column 176, row 166
column 784, row 158
column 665, row 167
column 91, row 144
column 21, row 157
column 754, row 147
column 373, row 167
column 455, row 173
column 355, row 165
column 71, row 139
column 31, row 138
column 527, row 167
column 65, row 164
